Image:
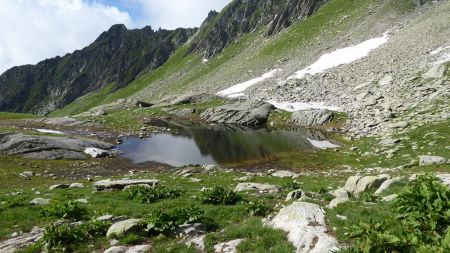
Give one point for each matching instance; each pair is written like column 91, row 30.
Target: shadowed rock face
column 243, row 16
column 44, row 147
column 115, row 58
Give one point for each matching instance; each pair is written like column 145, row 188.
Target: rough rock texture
column 121, row 184
column 40, row 201
column 227, row 247
column 312, row 117
column 115, row 58
column 284, row 174
column 19, row 243
column 257, row 187
column 335, row 202
column 306, row 228
column 124, row 227
column 430, row 160
column 247, row 113
column 357, row 184
column 44, row 147
column 96, row 152
column 243, row 16
column 130, row 249
column 295, row 194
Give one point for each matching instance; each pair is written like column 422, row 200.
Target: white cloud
column 33, row 30
column 170, row 14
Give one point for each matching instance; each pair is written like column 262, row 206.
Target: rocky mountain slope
column 112, row 61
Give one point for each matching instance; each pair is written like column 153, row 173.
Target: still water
column 213, row 144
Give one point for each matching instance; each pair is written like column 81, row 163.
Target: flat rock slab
column 121, row 184
column 125, row 227
column 131, row 249
column 312, row 117
column 305, row 224
column 247, row 113
column 65, row 121
column 18, row 243
column 227, row 247
column 256, row 187
column 47, row 147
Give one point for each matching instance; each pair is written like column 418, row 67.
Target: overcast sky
column 33, row 30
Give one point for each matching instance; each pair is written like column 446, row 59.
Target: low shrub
column 219, row 195
column 147, row 195
column 69, row 210
column 421, row 222
column 257, row 208
column 165, row 222
column 65, row 238
column 290, row 186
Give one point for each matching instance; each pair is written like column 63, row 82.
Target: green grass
column 11, row 115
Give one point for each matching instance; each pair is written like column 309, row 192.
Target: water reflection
column 214, row 144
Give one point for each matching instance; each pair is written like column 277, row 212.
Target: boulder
column 384, row 186
column 257, row 187
column 21, row 242
column 121, row 184
column 350, row 185
column 130, row 249
column 337, row 201
column 76, row 185
column 26, row 174
column 389, row 198
column 125, row 227
column 96, row 152
column 437, row 71
column 312, row 117
column 142, row 104
column 445, row 178
column 227, row 247
column 47, row 147
column 426, row 160
column 58, row 186
column 40, row 201
column 247, row 113
column 340, row 193
column 306, row 227
column 358, row 184
column 285, row 174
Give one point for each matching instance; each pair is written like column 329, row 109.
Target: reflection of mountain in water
column 230, row 144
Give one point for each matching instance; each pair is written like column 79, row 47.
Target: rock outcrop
column 45, row 147
column 312, row 117
column 121, row 184
column 21, row 242
column 247, row 113
column 306, row 227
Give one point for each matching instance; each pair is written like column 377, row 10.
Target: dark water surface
column 214, row 144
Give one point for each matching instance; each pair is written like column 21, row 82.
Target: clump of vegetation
column 65, row 238
column 165, row 222
column 131, row 239
column 421, row 222
column 69, row 210
column 148, row 195
column 290, row 186
column 219, row 196
column 257, row 208
column 12, row 202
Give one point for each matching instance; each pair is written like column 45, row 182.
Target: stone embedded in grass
column 426, row 160
column 26, row 174
column 260, row 188
column 295, row 194
column 76, row 185
column 121, row 184
column 21, row 242
column 306, row 227
column 130, row 249
column 339, row 193
column 389, row 198
column 358, row 184
column 40, row 201
column 337, row 201
column 384, row 186
column 389, row 142
column 227, row 247
column 58, row 186
column 125, row 227
column 284, row 174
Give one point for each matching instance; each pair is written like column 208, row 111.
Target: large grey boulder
column 47, row 147
column 121, row 184
column 21, row 242
column 426, row 160
column 358, row 184
column 257, row 187
column 247, row 113
column 124, row 227
column 312, row 117
column 306, row 227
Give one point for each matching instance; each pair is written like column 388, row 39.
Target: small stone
column 40, row 201
column 337, row 201
column 58, row 186
column 76, row 185
column 389, row 198
column 227, row 247
column 341, row 217
column 431, row 160
column 124, row 227
column 296, row 194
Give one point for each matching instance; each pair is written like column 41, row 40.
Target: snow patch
column 323, row 144
column 297, row 106
column 48, row 131
column 342, row 56
column 238, row 89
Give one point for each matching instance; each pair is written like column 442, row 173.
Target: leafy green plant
column 421, row 222
column 147, row 195
column 165, row 222
column 68, row 210
column 65, row 237
column 369, row 197
column 257, row 208
column 131, row 239
column 12, row 202
column 219, row 195
column 290, row 186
